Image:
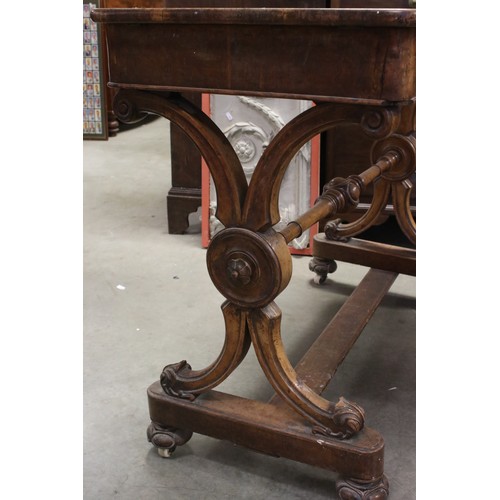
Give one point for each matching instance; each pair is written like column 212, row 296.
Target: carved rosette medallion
column 239, row 269
column 249, row 141
column 245, row 149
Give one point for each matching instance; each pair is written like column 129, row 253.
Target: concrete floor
column 148, row 302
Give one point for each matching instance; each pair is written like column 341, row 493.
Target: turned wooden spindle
column 339, row 196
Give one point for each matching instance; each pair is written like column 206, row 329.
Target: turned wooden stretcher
column 358, row 66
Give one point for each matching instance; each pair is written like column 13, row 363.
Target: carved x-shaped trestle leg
column 249, row 262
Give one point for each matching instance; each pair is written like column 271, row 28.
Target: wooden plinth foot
column 268, row 429
column 352, row 489
column 166, row 439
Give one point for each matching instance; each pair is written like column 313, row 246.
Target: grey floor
column 148, row 302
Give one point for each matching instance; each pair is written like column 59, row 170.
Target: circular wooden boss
column 249, row 269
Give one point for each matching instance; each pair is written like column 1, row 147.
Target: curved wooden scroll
column 335, row 230
column 261, row 209
column 340, row 420
column 223, row 163
column 401, row 193
column 180, row 380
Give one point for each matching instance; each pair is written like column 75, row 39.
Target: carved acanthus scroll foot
column 351, row 489
column 170, row 375
column 348, row 419
column 333, row 232
column 322, row 267
column 166, row 439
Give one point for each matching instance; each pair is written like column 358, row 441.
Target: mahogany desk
column 358, row 65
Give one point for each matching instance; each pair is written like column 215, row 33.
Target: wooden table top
column 366, row 55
